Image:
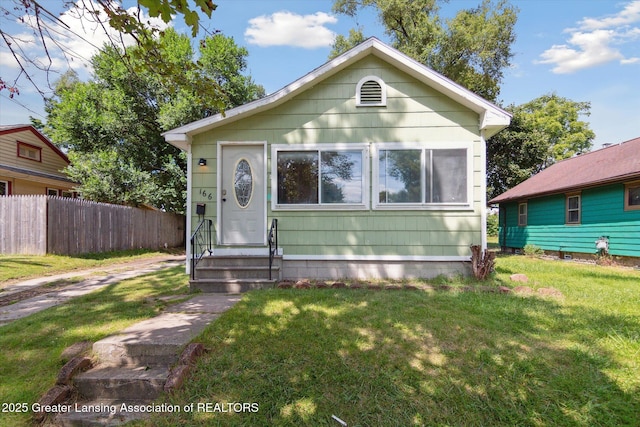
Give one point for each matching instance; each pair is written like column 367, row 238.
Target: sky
column 584, row 50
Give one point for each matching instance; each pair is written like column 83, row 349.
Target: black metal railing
column 272, row 238
column 201, row 242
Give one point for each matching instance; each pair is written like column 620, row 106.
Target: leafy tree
column 542, row 132
column 126, row 106
column 44, row 24
column 472, row 48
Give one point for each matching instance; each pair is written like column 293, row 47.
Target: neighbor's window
column 4, row 188
column 28, row 151
column 632, row 196
column 573, row 209
column 422, row 177
column 52, row 192
column 320, row 176
column 522, row 214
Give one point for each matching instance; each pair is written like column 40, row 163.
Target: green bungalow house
column 372, row 164
column 588, row 204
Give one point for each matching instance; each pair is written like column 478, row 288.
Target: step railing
column 201, row 242
column 272, row 238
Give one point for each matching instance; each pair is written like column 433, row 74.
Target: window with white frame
column 573, row 209
column 632, row 196
column 331, row 176
column 28, row 151
column 4, row 188
column 522, row 214
column 52, row 192
column 422, row 177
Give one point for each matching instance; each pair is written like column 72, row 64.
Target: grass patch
column 31, row 347
column 427, row 358
column 21, row 267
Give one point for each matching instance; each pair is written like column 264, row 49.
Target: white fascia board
column 178, row 140
column 372, row 45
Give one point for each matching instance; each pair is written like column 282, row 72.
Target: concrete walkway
column 94, row 279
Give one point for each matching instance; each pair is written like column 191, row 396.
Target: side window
column 632, row 196
column 573, row 209
column 522, row 214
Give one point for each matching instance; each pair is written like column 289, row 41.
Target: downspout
column 483, row 195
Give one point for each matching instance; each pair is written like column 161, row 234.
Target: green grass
column 15, row 267
column 408, row 358
column 392, row 358
column 31, row 347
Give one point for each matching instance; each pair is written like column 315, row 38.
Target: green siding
column 327, row 113
column 602, row 214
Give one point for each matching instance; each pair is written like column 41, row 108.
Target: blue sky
column 587, row 50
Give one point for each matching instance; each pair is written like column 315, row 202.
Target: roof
column 8, row 129
column 620, row 162
column 492, row 118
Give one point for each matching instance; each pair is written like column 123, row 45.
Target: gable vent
column 371, row 91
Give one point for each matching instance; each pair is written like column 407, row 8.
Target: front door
column 242, row 195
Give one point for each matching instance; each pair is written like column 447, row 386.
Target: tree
column 44, row 24
column 125, row 107
column 472, row 48
column 542, row 132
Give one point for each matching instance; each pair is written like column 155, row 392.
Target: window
column 371, row 92
column 632, row 196
column 421, row 177
column 522, row 214
column 573, row 209
column 52, row 192
column 67, row 194
column 28, row 151
column 326, row 177
column 5, row 188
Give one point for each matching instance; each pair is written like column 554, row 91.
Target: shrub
column 533, row 250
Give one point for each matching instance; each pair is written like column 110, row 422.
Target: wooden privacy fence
column 58, row 225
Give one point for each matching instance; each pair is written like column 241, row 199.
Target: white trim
column 219, row 146
column 492, row 118
column 390, row 258
column 383, row 92
column 227, row 251
column 187, row 238
column 483, row 195
column 359, row 146
column 422, row 146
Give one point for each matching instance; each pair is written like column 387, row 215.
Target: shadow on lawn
column 31, row 347
column 404, row 358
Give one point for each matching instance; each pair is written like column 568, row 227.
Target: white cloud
column 289, row 29
column 596, row 41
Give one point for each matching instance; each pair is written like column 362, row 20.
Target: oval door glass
column 243, row 183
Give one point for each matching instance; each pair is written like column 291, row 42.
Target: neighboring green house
column 373, row 164
column 585, row 204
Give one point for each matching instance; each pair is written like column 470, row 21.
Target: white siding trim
column 391, row 258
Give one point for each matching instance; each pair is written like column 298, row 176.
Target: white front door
column 242, row 195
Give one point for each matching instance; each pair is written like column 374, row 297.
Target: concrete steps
column 235, row 274
column 135, row 367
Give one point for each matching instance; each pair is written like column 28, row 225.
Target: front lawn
column 31, row 347
column 403, row 358
column 22, row 267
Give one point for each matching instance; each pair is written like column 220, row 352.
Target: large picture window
column 414, row 177
column 329, row 177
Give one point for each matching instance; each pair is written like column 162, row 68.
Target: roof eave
column 492, row 118
column 612, row 180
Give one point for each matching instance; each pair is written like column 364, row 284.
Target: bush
column 533, row 250
column 492, row 225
